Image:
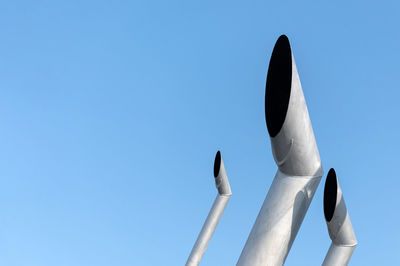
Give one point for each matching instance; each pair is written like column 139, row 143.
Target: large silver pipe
column 299, row 166
column 224, row 194
column 339, row 225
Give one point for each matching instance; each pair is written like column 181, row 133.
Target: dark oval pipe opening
column 330, row 194
column 217, row 163
column 278, row 85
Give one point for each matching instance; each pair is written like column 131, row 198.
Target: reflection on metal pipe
column 339, row 225
column 299, row 166
column 224, row 194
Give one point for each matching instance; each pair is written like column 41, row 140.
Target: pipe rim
column 217, row 163
column 330, row 195
column 278, row 85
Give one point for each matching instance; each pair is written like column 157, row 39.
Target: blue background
column 111, row 114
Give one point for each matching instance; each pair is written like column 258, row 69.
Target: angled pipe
column 299, row 166
column 220, row 202
column 339, row 225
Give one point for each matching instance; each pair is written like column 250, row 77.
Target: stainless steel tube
column 339, row 225
column 299, row 166
column 224, row 194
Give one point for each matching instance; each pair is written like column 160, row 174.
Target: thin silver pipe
column 207, row 231
column 220, row 202
column 299, row 166
column 339, row 225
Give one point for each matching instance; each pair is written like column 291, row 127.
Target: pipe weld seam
column 302, row 176
column 281, row 162
column 345, row 245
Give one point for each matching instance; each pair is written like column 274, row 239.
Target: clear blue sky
column 111, row 114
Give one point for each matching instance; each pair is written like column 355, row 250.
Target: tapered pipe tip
column 217, row 163
column 221, row 179
column 330, row 195
column 337, row 218
column 278, row 85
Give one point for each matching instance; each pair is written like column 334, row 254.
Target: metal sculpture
column 299, row 173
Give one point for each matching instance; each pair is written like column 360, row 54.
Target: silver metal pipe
column 206, row 233
column 339, row 225
column 299, row 166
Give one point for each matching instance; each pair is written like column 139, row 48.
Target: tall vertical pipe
column 299, row 166
column 339, row 225
column 220, row 202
